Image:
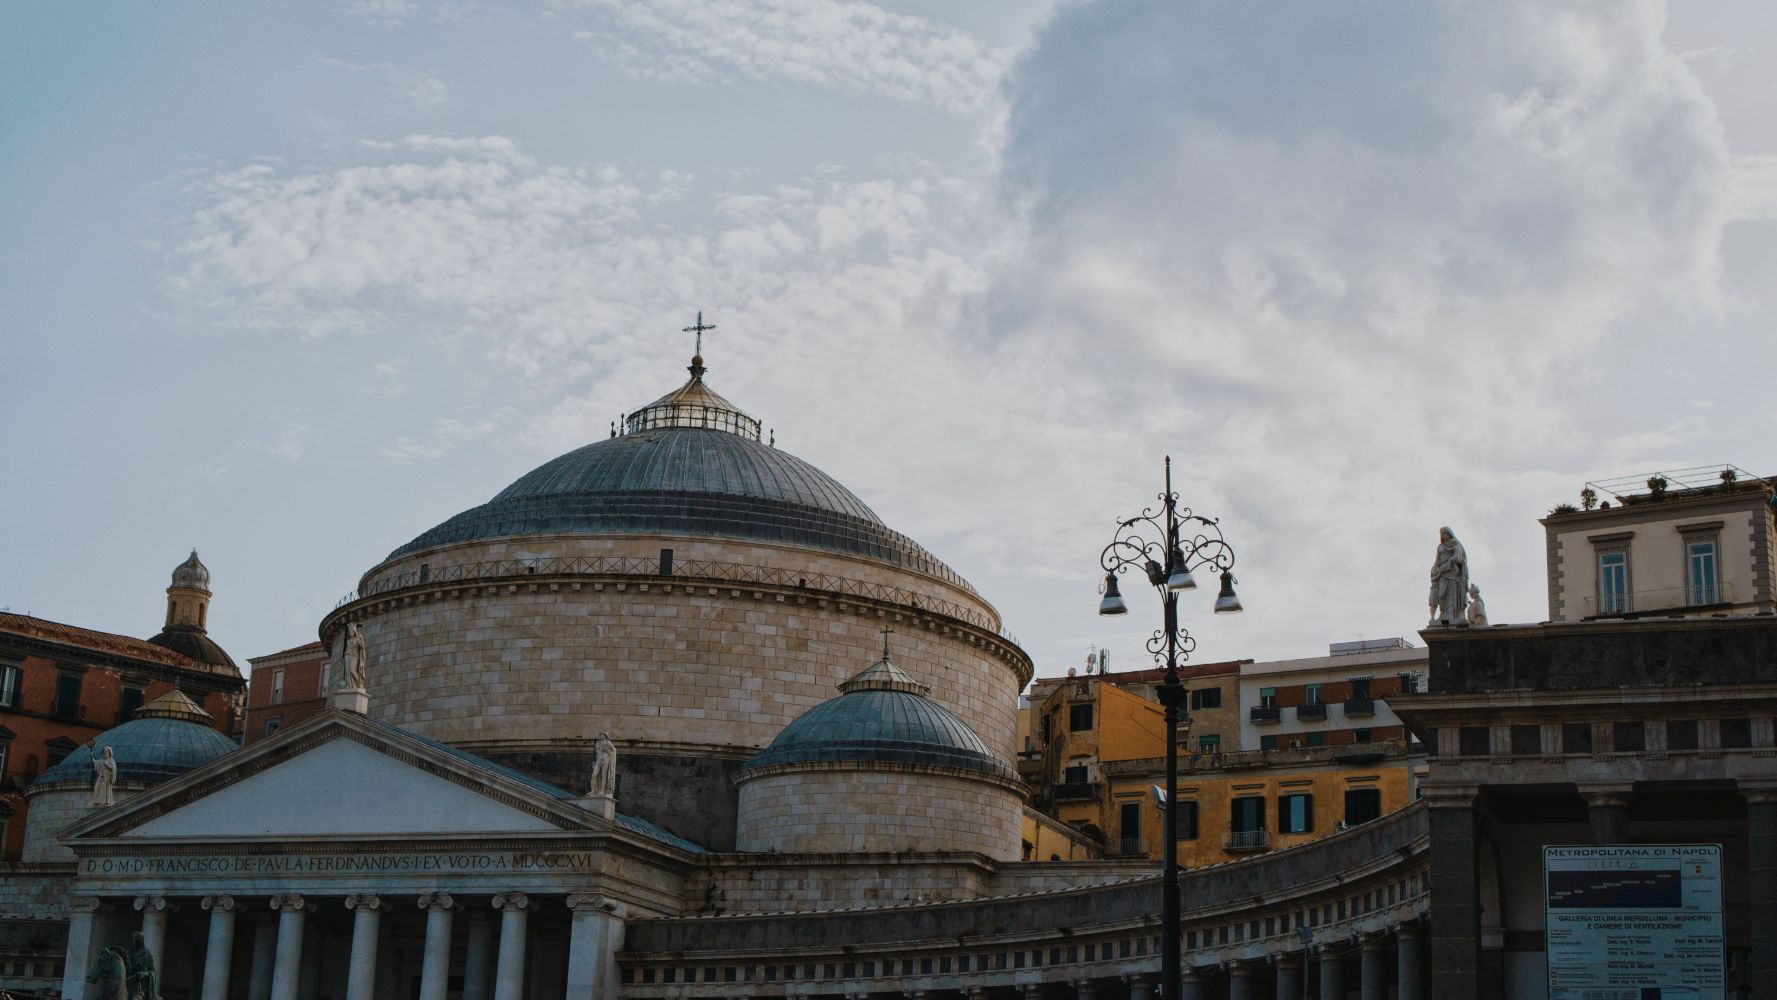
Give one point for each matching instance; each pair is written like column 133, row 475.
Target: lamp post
column 1167, row 545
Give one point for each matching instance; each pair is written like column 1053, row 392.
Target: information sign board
column 1634, row 922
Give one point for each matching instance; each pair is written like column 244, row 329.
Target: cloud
column 399, row 87
column 835, row 43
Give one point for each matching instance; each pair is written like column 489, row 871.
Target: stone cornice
column 882, row 767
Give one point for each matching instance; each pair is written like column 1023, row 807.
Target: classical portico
column 426, row 865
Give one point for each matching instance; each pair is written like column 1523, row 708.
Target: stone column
column 308, row 981
column 1190, row 986
column 1141, row 986
column 154, row 926
column 1240, row 981
column 1761, row 856
column 1607, row 805
column 265, row 946
column 1373, row 968
column 1289, row 977
column 593, row 942
column 435, row 966
column 286, row 973
column 219, row 952
column 1455, row 895
column 1409, row 964
column 514, row 925
column 86, row 932
column 478, row 957
column 367, row 925
column 1083, row 990
column 1332, row 974
column 1032, row 991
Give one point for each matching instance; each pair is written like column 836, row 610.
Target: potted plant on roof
column 1656, row 485
column 1588, row 498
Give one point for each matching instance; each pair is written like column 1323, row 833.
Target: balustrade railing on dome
column 688, row 571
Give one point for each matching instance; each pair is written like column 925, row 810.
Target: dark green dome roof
column 884, row 716
column 689, row 464
column 168, row 737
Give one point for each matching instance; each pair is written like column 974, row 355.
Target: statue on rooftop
column 604, row 766
column 104, row 776
column 353, row 653
column 1477, row 611
column 1449, row 581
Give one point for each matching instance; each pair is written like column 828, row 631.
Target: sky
column 290, row 283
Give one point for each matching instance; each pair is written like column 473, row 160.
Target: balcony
column 1130, row 847
column 1311, row 713
column 1261, row 714
column 1246, row 840
column 1075, row 791
column 1665, row 600
column 1358, row 707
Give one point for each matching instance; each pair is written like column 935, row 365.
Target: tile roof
column 86, row 638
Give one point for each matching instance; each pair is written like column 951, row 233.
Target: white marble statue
column 353, row 654
column 604, row 766
column 1449, row 581
column 104, row 778
column 1477, row 611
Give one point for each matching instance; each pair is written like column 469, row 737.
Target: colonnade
column 495, row 959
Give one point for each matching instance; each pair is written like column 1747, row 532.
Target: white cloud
column 837, row 43
column 400, row 86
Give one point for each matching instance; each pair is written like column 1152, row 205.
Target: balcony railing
column 1075, row 791
column 1664, row 599
column 1311, row 712
column 1360, row 706
column 1235, row 760
column 1246, row 840
column 1262, row 714
column 1131, row 847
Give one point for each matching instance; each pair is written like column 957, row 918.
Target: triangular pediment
column 340, row 776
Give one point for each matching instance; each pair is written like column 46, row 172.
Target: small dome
column 191, row 641
column 884, row 716
column 168, row 737
column 192, row 574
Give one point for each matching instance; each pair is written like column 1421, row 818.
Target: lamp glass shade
column 1113, row 600
column 1227, row 602
column 1181, row 574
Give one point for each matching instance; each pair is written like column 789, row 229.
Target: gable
column 340, row 787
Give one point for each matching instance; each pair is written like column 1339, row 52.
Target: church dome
column 192, row 574
column 167, row 737
column 690, row 463
column 191, row 641
column 882, row 716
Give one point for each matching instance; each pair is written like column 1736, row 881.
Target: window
column 5, row 761
column 1360, row 689
column 272, row 724
column 1187, row 819
column 1209, row 744
column 67, row 703
column 1613, row 582
column 1699, row 571
column 1527, row 740
column 1360, row 736
column 1247, row 814
column 1471, row 741
column 1576, row 737
column 1267, row 697
column 9, row 685
column 1736, row 734
column 59, row 749
column 1681, row 734
column 277, row 687
column 1206, row 698
column 1628, row 736
column 1409, row 683
column 127, row 705
column 1317, row 738
column 1362, row 805
column 1295, row 813
column 1268, row 742
column 1311, row 695
column 1079, row 717
column 1129, row 826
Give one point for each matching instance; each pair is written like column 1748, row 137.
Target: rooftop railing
column 1663, row 599
column 690, row 571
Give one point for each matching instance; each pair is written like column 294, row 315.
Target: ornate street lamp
column 1166, row 545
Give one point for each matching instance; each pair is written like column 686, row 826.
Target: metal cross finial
column 885, row 634
column 698, row 329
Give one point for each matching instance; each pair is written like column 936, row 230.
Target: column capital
column 1374, row 942
column 1286, row 959
column 1606, row 793
column 977, row 992
column 511, row 901
column 365, row 901
column 156, row 904
column 1032, row 990
column 1408, row 932
column 1453, row 796
column 88, row 904
column 594, row 901
column 1239, row 969
column 1141, row 978
column 1330, row 950
column 436, row 901
column 289, row 902
column 224, row 904
column 1187, row 974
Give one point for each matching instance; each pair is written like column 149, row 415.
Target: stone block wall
column 511, row 665
column 54, row 809
column 879, row 808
